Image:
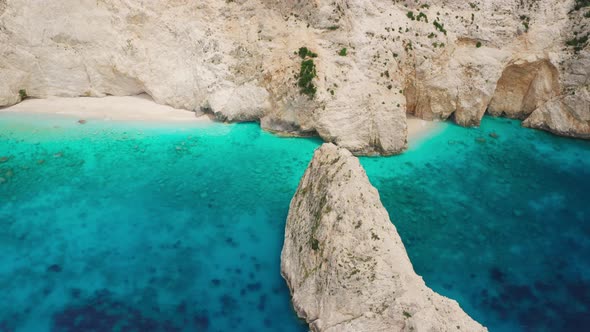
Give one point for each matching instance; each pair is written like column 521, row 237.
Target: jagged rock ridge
column 345, row 263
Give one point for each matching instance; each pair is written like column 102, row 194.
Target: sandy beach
column 144, row 108
column 127, row 108
column 418, row 128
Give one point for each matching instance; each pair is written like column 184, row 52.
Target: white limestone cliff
column 345, row 263
column 237, row 59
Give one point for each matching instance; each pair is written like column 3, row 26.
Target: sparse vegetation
column 440, row 27
column 581, row 4
column 23, row 94
column 525, row 22
column 422, row 16
column 307, row 72
column 578, row 43
column 315, row 244
column 478, row 45
column 305, row 52
column 342, row 52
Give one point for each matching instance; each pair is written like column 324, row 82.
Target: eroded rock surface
column 376, row 61
column 344, row 262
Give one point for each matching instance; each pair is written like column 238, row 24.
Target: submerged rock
column 344, row 262
column 54, row 268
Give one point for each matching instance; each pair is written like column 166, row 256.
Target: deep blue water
column 498, row 218
column 111, row 226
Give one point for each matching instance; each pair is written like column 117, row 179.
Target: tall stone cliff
column 345, row 263
column 370, row 62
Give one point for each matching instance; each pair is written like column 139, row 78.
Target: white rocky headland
column 345, row 263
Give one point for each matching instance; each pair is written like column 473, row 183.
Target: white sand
column 143, row 108
column 418, row 128
column 129, row 108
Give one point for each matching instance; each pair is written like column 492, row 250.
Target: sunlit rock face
column 345, row 263
column 376, row 61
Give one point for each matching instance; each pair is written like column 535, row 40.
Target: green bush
column 440, row 27
column 305, row 52
column 478, row 45
column 422, row 15
column 525, row 22
column 315, row 244
column 581, row 4
column 306, row 76
column 578, row 43
column 23, row 94
column 342, row 52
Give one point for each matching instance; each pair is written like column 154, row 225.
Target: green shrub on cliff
column 440, row 27
column 304, row 52
column 307, row 72
column 422, row 16
column 581, row 4
column 578, row 43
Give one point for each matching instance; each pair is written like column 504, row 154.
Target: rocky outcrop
column 568, row 113
column 244, row 103
column 525, row 86
column 376, row 61
column 344, row 262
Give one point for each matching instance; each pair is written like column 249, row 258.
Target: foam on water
column 112, row 226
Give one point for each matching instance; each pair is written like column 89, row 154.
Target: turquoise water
column 497, row 218
column 122, row 227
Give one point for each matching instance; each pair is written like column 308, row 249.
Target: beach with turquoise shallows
column 123, row 222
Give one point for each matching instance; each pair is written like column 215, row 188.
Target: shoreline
column 419, row 130
column 139, row 108
column 143, row 109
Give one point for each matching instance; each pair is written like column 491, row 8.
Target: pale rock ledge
column 345, row 263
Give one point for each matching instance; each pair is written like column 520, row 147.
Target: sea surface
column 143, row 227
column 497, row 218
column 166, row 227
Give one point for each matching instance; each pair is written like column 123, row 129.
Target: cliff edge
column 348, row 71
column 345, row 263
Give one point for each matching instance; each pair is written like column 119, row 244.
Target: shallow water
column 120, row 227
column 112, row 226
column 501, row 224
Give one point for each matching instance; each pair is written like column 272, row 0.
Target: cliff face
column 344, row 262
column 376, row 61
